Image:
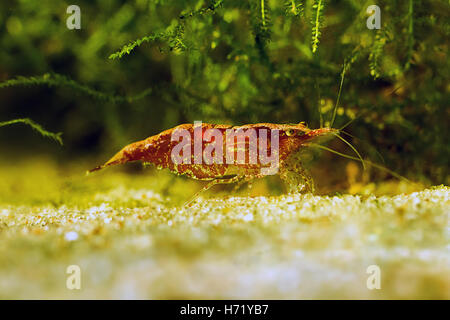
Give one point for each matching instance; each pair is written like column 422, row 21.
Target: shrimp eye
column 290, row 132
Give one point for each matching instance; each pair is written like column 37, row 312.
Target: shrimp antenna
column 316, row 85
column 396, row 175
column 354, row 137
column 344, row 69
column 348, row 134
column 356, row 118
column 353, row 148
column 369, row 109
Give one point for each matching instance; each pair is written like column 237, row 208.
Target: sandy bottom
column 130, row 240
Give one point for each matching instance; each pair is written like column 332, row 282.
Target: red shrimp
column 257, row 138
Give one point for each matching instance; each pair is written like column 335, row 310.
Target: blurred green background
column 232, row 62
column 138, row 67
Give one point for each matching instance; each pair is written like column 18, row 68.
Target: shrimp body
column 221, row 157
column 158, row 149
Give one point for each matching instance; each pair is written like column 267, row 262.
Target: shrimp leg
column 233, row 179
column 296, row 177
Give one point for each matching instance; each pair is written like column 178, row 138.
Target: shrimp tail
column 131, row 152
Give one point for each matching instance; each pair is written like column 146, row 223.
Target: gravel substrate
column 129, row 243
